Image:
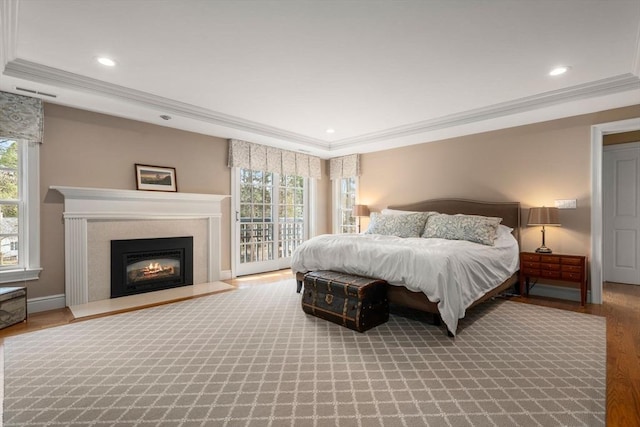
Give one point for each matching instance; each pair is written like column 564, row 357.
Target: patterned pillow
column 473, row 228
column 410, row 225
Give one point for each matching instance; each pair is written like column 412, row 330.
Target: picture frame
column 156, row 178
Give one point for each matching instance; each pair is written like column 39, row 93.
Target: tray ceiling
column 380, row 73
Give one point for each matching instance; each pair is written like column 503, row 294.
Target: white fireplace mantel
column 112, row 203
column 83, row 204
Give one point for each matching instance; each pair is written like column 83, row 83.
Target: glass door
column 291, row 218
column 271, row 220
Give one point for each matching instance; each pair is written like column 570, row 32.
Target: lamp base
column 543, row 250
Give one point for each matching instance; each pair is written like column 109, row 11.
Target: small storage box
column 359, row 303
column 13, row 306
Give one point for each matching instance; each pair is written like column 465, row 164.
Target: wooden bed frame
column 508, row 211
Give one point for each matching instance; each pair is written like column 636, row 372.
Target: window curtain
column 243, row 154
column 344, row 167
column 21, row 117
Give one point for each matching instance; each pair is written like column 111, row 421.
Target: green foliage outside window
column 9, row 194
column 9, row 177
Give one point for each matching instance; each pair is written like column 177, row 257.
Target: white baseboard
column 560, row 292
column 225, row 275
column 51, row 302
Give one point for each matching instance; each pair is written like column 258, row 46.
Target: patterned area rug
column 251, row 357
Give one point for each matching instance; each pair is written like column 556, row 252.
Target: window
column 9, row 203
column 345, row 197
column 19, row 211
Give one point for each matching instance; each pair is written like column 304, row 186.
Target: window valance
column 21, row 117
column 344, row 167
column 243, row 154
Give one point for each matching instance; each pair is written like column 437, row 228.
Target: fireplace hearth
column 146, row 265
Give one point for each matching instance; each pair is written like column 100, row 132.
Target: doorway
column 597, row 134
column 621, row 211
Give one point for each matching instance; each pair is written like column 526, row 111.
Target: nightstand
column 564, row 268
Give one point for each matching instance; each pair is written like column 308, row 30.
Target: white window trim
column 30, row 215
column 311, row 205
column 335, row 216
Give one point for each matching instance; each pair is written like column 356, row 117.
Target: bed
column 439, row 276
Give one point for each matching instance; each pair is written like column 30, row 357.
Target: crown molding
column 8, row 30
column 31, row 71
column 616, row 84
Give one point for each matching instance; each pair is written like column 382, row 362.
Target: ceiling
column 382, row 74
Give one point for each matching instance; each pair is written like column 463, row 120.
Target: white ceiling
column 381, row 73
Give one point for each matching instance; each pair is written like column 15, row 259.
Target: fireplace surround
column 146, row 265
column 131, row 211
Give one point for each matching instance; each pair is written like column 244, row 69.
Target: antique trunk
column 359, row 303
column 13, row 305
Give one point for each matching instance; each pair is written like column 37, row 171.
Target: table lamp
column 544, row 216
column 358, row 211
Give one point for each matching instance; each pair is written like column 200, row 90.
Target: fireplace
column 146, row 265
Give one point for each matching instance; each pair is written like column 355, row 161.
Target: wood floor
column 621, row 308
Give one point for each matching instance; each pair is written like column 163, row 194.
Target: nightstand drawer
column 530, row 257
column 527, row 265
column 550, row 259
column 572, row 268
column 550, row 274
column 577, row 277
column 531, row 272
column 572, row 261
column 554, row 267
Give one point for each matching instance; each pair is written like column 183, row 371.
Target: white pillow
column 502, row 230
column 388, row 211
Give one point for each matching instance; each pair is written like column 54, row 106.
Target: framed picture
column 155, row 178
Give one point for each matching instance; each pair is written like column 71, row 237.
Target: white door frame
column 597, row 134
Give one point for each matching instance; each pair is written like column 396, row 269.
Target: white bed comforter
column 453, row 273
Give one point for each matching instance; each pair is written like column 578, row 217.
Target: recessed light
column 559, row 70
column 330, row 130
column 106, row 61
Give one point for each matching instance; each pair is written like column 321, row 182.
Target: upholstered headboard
column 508, row 211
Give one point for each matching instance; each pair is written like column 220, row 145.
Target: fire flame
column 155, row 268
